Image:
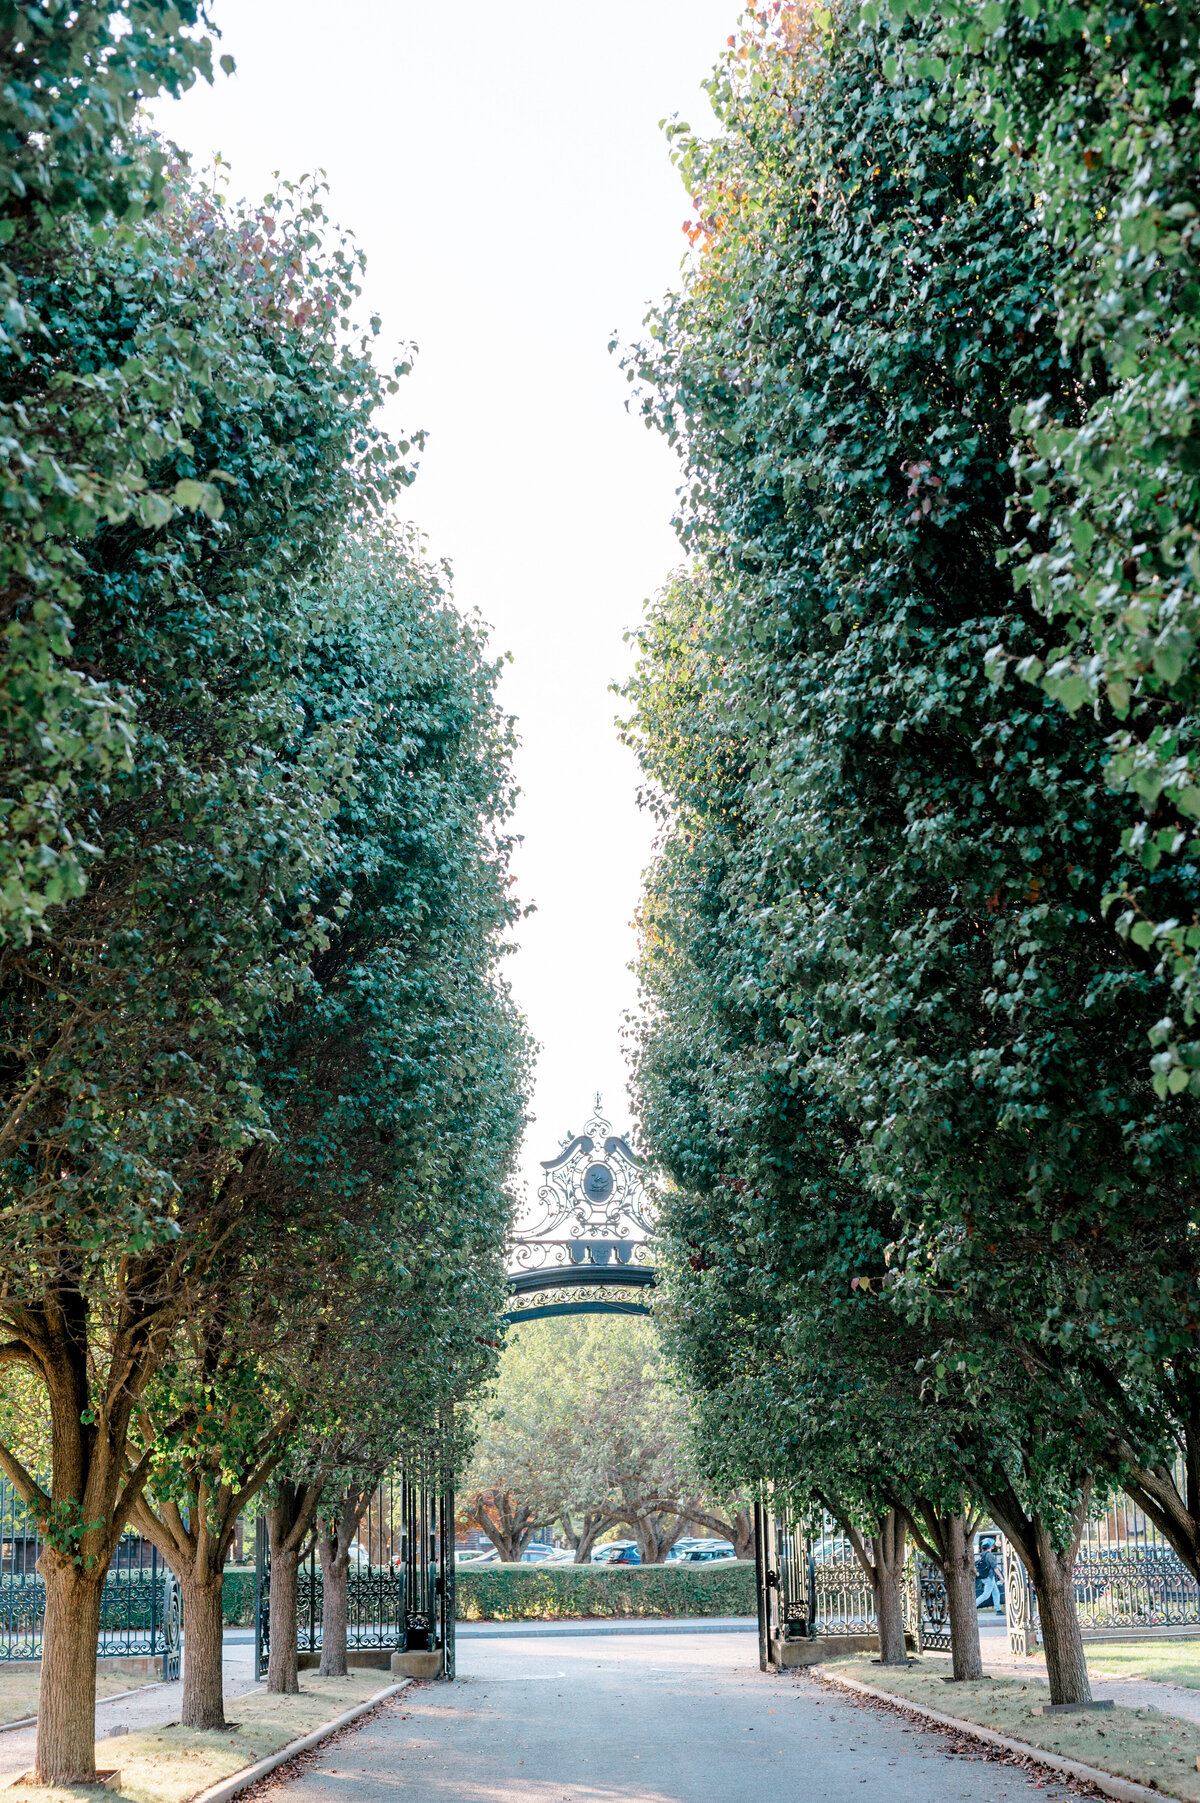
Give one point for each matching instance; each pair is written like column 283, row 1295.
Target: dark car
column 628, row 1555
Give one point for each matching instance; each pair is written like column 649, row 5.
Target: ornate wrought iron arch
column 592, row 1235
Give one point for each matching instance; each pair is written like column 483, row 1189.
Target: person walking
column 987, row 1568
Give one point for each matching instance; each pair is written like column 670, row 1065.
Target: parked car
column 611, row 1551
column 628, row 1555
column 704, row 1552
column 485, row 1555
column 833, row 1549
column 537, row 1552
column 681, row 1549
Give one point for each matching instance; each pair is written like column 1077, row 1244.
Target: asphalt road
column 639, row 1719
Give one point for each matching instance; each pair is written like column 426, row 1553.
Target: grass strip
column 1141, row 1745
column 1159, row 1661
column 19, row 1690
column 170, row 1764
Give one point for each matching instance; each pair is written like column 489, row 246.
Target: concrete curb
column 1123, row 1788
column 240, row 1781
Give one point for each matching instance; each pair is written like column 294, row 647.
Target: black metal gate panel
column 399, row 1590
column 783, row 1570
column 812, row 1586
column 934, row 1634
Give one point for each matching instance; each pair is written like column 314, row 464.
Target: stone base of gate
column 129, row 1665
column 132, row 1665
column 371, row 1659
column 785, row 1654
column 417, row 1665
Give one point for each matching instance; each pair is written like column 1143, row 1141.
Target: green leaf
column 1083, row 535
column 189, row 494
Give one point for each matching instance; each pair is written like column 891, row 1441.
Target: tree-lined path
column 642, row 1718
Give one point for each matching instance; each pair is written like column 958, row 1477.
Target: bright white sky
column 503, row 168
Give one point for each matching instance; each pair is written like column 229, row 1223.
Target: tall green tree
column 869, row 302
column 772, row 1246
column 352, row 1308
column 396, row 1079
column 132, row 1115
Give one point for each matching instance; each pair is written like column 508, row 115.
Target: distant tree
column 526, row 1440
column 587, row 1428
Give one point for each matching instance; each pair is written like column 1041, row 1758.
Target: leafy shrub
column 549, row 1592
column 237, row 1597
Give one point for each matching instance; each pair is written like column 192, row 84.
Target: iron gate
column 1128, row 1580
column 400, row 1586
column 813, row 1586
column 139, row 1604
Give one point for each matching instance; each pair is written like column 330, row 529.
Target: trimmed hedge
column 550, row 1592
column 237, row 1597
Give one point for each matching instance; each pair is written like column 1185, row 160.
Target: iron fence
column 1128, row 1580
column 139, row 1604
column 814, row 1586
column 400, row 1585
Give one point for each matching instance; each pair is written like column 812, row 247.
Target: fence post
column 261, row 1589
column 446, row 1581
column 766, row 1571
column 154, row 1611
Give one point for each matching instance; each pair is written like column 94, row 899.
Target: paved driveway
column 670, row 1718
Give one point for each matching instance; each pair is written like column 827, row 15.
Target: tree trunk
column 507, row 1525
column 203, row 1652
column 743, row 1534
column 66, row 1723
column 887, row 1558
column 509, row 1546
column 1053, row 1576
column 958, row 1570
column 335, row 1570
column 282, row 1675
column 1054, row 1582
column 290, row 1521
column 591, row 1530
column 655, row 1538
column 889, row 1611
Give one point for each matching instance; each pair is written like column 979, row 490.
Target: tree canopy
column 897, row 1048
column 264, row 1081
